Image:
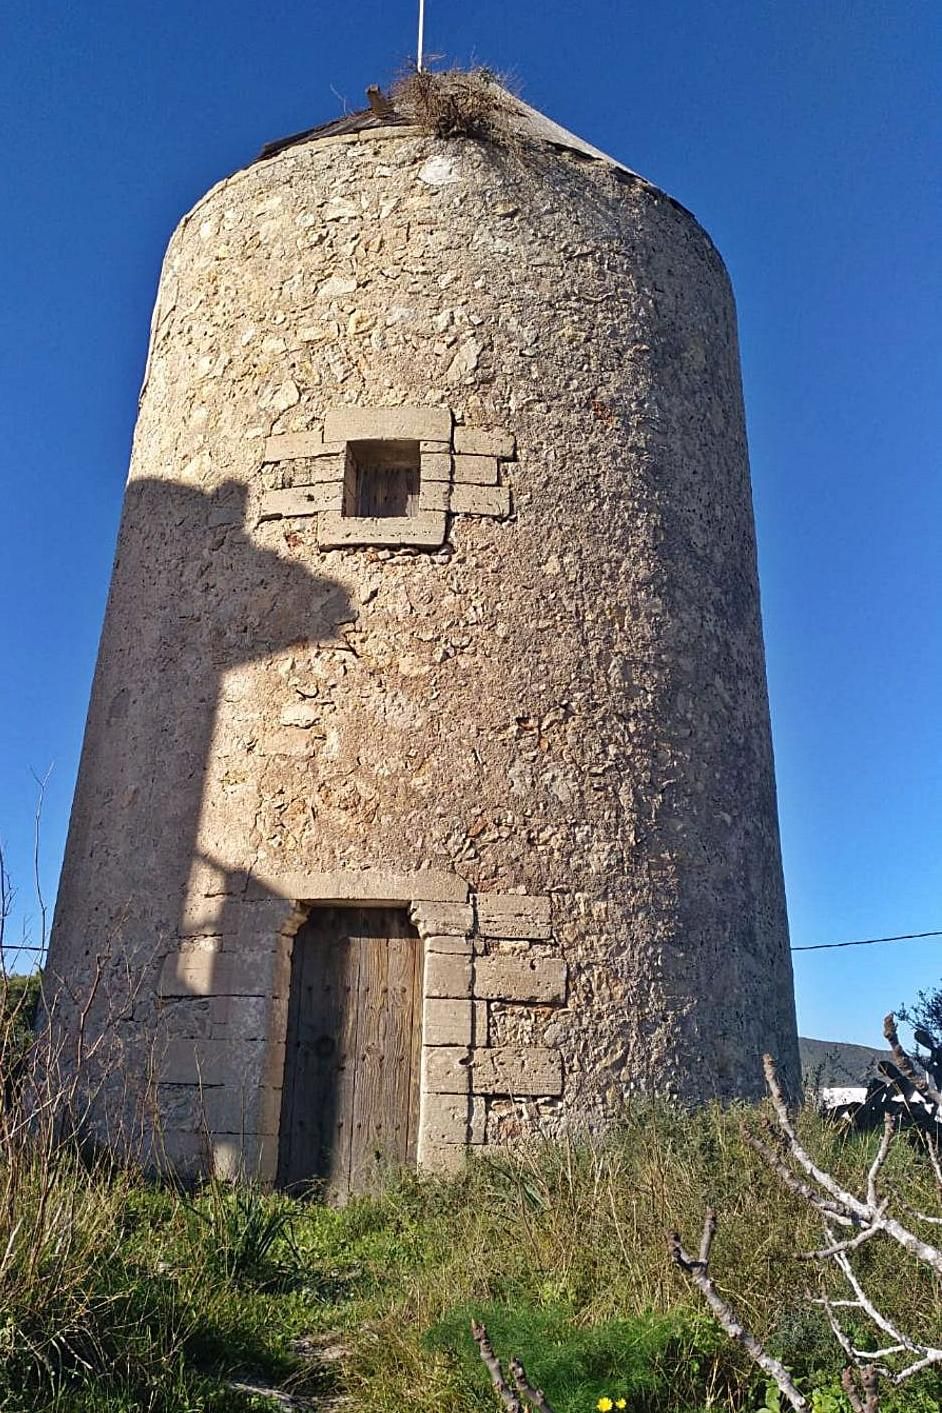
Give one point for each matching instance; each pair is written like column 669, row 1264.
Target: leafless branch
column 836, row 1328
column 877, row 1164
column 698, row 1272
column 795, row 1184
column 922, row 1216
column 850, row 1245
column 491, row 1362
column 41, row 783
column 932, row 1149
column 871, row 1215
column 866, row 1213
column 870, row 1310
column 536, row 1398
column 861, row 1389
column 903, row 1061
column 927, row 1354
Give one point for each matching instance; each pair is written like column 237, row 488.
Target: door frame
column 438, row 905
column 331, row 935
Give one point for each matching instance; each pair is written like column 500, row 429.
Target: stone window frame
column 385, row 472
column 459, row 474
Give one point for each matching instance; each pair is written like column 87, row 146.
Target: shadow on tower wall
column 193, row 598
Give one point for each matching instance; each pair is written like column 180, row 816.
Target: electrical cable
column 866, row 941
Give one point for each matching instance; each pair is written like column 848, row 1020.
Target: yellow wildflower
column 605, row 1405
column 621, row 1403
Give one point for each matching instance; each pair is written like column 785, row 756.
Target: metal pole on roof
column 421, row 44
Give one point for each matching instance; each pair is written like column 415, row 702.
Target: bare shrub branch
column 860, row 1387
column 491, row 1362
column 536, row 1398
column 865, row 1212
column 900, row 1355
column 904, row 1063
column 698, row 1271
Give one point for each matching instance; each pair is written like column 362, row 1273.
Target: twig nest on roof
column 456, row 103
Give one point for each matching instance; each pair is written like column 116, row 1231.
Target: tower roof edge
column 522, row 118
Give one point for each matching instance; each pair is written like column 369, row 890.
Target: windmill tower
column 427, row 795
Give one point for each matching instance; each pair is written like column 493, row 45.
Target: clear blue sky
column 804, row 134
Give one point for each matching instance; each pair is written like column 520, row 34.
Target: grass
column 117, row 1294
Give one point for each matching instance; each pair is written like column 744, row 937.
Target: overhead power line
column 867, row 941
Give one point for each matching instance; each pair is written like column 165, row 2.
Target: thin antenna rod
column 418, row 61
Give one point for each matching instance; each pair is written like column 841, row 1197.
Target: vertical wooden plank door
column 350, row 1096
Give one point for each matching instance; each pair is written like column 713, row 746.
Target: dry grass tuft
column 456, row 103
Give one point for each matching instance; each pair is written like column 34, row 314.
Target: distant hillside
column 838, row 1063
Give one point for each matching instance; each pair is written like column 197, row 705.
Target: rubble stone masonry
column 531, row 708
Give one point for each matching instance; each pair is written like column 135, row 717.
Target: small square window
column 381, row 480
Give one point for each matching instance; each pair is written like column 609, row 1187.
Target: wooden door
column 351, row 1083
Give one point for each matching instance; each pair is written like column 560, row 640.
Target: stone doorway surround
column 490, row 965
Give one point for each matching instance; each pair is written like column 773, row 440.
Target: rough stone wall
column 563, row 698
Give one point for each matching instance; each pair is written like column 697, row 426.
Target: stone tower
column 427, row 794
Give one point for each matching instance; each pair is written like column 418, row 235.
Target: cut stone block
column 478, row 1129
column 386, row 134
column 536, row 905
column 433, row 495
column 218, row 1110
column 446, row 1069
column 435, row 467
column 427, row 448
column 481, row 500
column 302, row 500
column 446, row 1022
column 481, row 1018
column 493, row 906
column 514, row 917
column 294, row 445
column 341, row 140
column 457, row 946
column 246, row 1018
column 217, row 974
column 498, row 978
column 443, row 919
column 313, row 471
column 476, row 470
column 444, row 1119
column 480, row 443
column 447, row 976
column 371, row 885
column 215, row 1062
column 424, row 531
column 509, row 1069
column 447, row 1159
column 250, row 1157
column 366, row 424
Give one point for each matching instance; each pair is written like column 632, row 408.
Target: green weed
column 241, row 1230
column 118, row 1294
